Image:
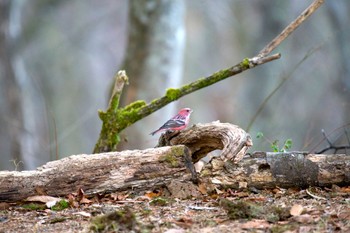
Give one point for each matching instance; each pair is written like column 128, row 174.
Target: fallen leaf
column 345, row 189
column 305, row 218
column 4, row 205
column 72, row 201
column 256, row 224
column 202, row 188
column 296, row 210
column 84, row 200
column 83, row 213
column 216, row 181
column 242, row 185
column 153, row 194
column 119, row 196
column 42, row 199
column 218, row 191
column 184, row 222
column 80, row 195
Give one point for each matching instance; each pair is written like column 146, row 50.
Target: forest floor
column 276, row 210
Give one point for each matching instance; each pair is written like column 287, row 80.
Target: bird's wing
column 173, row 123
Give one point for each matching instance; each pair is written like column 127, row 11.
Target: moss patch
column 245, row 63
column 249, row 210
column 34, row 206
column 159, row 201
column 172, row 158
column 61, row 205
column 173, row 94
column 116, row 221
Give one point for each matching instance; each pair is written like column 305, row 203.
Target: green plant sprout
column 275, row 144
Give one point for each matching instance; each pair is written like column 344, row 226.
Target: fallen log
column 117, row 171
column 172, row 167
column 291, row 169
column 107, row 172
column 204, row 138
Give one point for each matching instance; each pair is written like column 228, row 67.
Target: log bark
column 137, row 169
column 231, row 139
column 268, row 170
column 99, row 173
column 172, row 167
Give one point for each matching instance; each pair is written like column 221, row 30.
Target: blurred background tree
column 58, row 58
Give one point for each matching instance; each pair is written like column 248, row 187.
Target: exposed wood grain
column 204, row 138
column 136, row 169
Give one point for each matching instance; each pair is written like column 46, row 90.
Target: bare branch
column 291, row 27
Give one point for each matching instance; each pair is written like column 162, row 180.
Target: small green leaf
column 259, row 135
column 288, row 144
column 274, row 146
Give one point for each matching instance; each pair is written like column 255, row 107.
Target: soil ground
column 277, row 210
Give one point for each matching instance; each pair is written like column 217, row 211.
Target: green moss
column 241, row 209
column 34, row 206
column 220, row 75
column 177, row 151
column 173, row 94
column 154, row 101
column 128, row 115
column 171, row 158
column 159, row 201
column 116, row 221
column 245, row 63
column 135, row 105
column 61, row 205
column 278, row 213
column 114, row 122
column 249, row 210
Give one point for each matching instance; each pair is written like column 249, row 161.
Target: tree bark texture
column 115, row 171
column 172, row 166
column 231, row 139
column 137, row 169
column 291, row 169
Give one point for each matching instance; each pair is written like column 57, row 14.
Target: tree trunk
column 11, row 120
column 154, row 60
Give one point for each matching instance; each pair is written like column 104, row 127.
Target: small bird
column 178, row 122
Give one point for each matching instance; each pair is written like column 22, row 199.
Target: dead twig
column 290, row 28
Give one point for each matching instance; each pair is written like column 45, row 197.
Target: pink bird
column 178, row 122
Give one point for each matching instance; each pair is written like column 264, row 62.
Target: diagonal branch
column 115, row 120
column 290, row 28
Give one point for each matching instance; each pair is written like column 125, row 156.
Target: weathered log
column 172, row 166
column 268, row 170
column 117, row 171
column 137, row 169
column 231, row 139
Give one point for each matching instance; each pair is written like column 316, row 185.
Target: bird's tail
column 154, row 132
